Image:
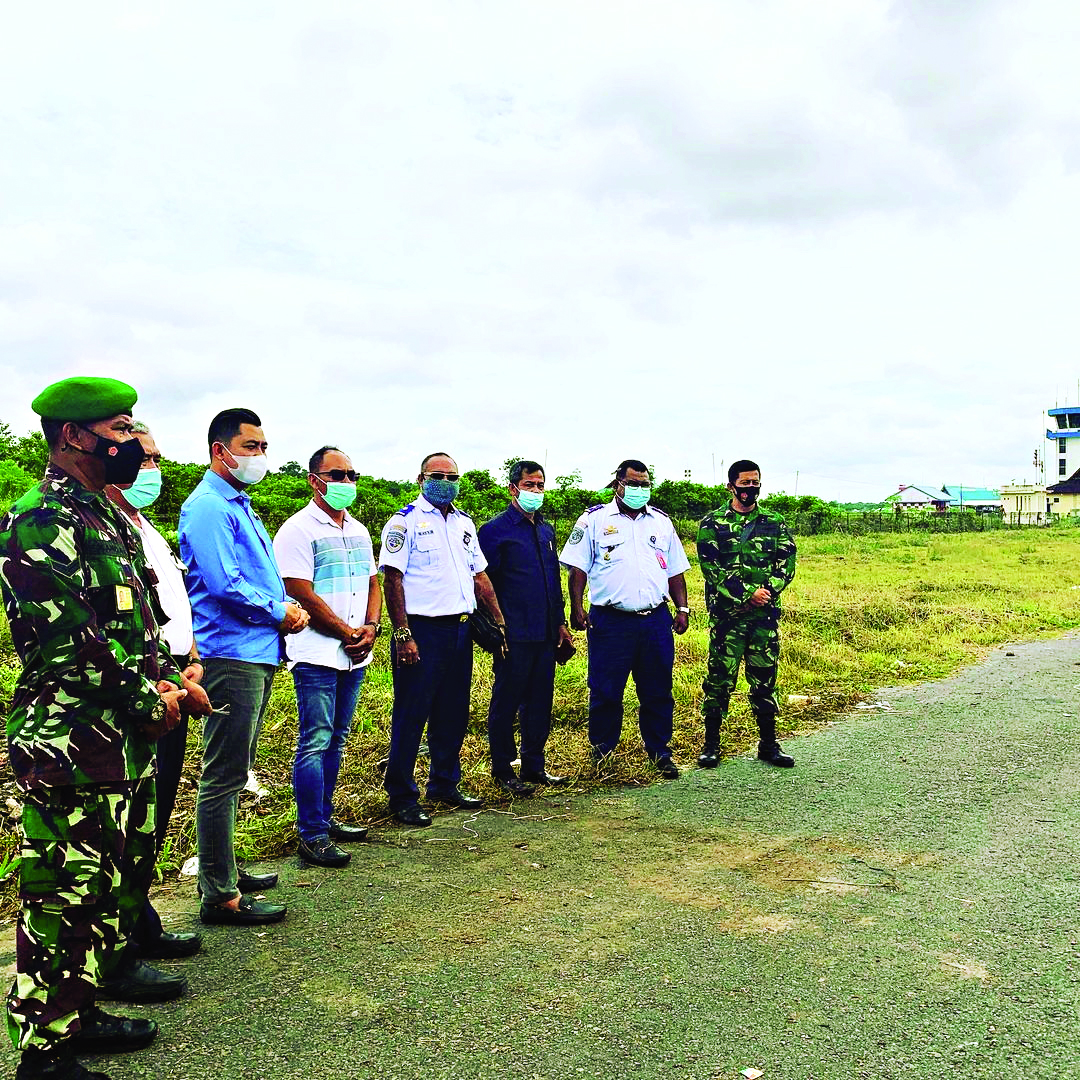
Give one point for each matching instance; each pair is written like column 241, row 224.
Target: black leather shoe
column 142, row 984
column 340, row 831
column 101, row 1033
column 515, row 787
column 773, row 755
column 543, row 778
column 709, row 757
column 171, row 947
column 323, row 852
column 666, row 767
column 57, row 1064
column 252, row 883
column 416, row 817
column 251, row 912
column 457, row 799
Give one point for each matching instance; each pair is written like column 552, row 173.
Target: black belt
column 462, row 617
column 623, row 611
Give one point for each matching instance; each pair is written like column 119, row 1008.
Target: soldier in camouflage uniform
column 96, row 689
column 747, row 558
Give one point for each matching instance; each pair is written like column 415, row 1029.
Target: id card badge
column 125, row 600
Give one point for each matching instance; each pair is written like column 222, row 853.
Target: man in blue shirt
column 240, row 611
column 519, row 546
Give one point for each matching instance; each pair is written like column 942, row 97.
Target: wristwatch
column 402, row 633
column 377, row 626
column 684, row 610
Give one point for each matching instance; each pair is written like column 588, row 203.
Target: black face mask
column 123, row 460
column 747, row 496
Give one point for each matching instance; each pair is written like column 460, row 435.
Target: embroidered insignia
column 576, row 535
column 611, row 530
column 395, row 539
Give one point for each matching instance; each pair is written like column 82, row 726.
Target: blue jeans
column 325, row 704
column 434, row 692
column 621, row 645
column 227, row 752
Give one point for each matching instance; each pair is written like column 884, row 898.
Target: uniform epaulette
column 406, row 510
column 657, row 510
column 593, row 509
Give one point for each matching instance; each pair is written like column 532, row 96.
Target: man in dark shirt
column 523, row 566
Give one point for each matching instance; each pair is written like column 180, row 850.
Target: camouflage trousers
column 87, row 862
column 755, row 639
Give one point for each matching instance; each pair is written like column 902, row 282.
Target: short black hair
column 438, row 453
column 226, row 425
column 629, row 463
column 519, row 468
column 51, row 430
column 315, row 461
column 745, row 465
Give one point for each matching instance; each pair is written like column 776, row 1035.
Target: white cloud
column 834, row 239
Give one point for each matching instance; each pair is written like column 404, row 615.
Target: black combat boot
column 59, row 1064
column 768, row 749
column 709, row 757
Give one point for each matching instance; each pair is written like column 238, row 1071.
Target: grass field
column 862, row 613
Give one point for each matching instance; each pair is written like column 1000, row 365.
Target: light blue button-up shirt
column 236, row 592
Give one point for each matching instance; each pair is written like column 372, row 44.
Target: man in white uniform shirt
column 326, row 559
column 633, row 561
column 433, row 573
column 150, row 940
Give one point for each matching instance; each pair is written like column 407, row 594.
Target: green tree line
column 281, row 493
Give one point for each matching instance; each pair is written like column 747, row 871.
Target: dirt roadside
column 903, row 902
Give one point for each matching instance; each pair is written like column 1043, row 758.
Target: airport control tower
column 1066, row 439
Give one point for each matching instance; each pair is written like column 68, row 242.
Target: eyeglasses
column 635, row 483
column 452, row 477
column 339, row 475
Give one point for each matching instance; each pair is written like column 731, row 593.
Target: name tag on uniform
column 660, row 560
column 125, row 601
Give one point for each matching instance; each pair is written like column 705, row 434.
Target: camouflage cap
column 84, row 398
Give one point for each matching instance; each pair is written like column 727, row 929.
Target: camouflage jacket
column 741, row 552
column 84, row 620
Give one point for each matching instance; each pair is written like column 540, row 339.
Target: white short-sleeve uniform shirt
column 339, row 562
column 438, row 558
column 628, row 559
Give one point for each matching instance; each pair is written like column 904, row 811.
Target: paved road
column 902, row 903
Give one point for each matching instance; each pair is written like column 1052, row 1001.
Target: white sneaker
column 253, row 787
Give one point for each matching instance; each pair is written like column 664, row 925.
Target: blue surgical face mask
column 440, row 492
column 530, row 501
column 145, row 488
column 635, row 497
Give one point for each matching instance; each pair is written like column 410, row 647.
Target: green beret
column 84, row 398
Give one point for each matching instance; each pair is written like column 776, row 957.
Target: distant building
column 982, row 500
column 1064, row 499
column 1065, row 437
column 1024, row 504
column 919, row 497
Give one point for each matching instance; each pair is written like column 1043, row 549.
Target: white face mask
column 248, row 470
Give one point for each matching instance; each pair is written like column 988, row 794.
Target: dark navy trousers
column 435, row 692
column 524, row 688
column 621, row 645
column 169, row 750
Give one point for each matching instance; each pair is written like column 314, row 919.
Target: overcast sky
column 840, row 238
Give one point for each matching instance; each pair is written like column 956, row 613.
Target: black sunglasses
column 453, row 477
column 338, row 475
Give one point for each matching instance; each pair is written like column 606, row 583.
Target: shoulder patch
column 395, row 539
column 576, row 535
